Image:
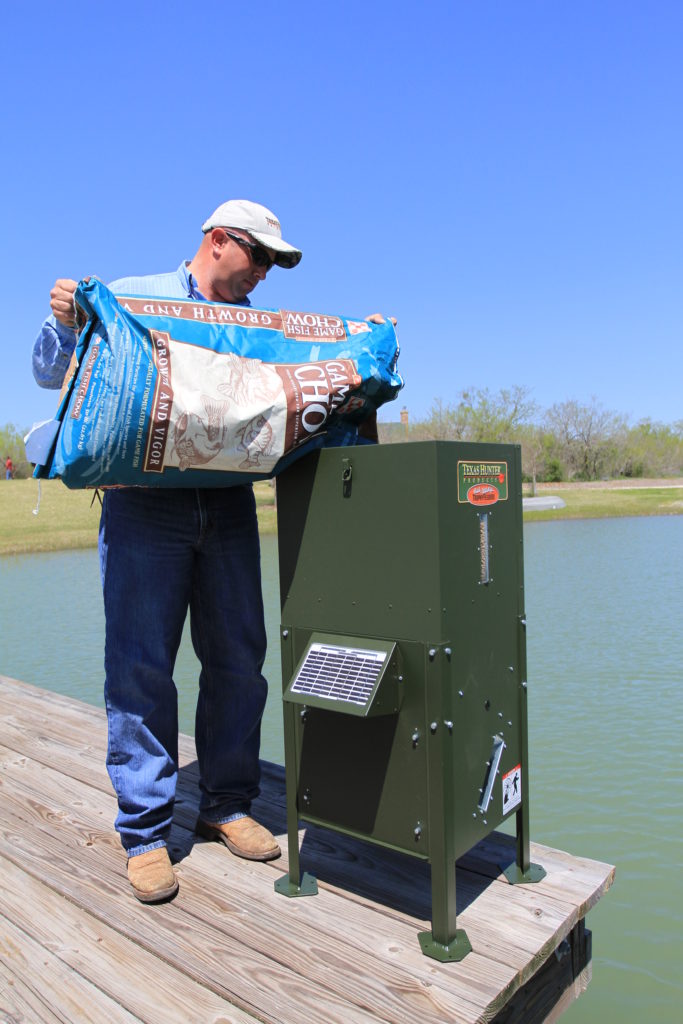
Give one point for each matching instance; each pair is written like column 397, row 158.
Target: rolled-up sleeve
column 52, row 353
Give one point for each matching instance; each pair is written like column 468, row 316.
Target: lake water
column 605, row 661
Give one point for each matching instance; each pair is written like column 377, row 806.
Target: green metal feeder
column 404, row 656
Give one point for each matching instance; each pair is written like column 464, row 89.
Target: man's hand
column 62, row 302
column 377, row 318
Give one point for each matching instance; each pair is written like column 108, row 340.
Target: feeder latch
column 347, row 473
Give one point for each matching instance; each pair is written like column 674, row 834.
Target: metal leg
column 445, row 941
column 293, row 883
column 522, row 870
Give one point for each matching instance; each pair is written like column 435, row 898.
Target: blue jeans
column 163, row 551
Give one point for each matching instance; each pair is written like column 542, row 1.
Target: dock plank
column 20, row 1003
column 48, row 988
column 228, row 944
column 140, row 982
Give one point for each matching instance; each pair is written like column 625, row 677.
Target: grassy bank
column 69, row 519
column 591, row 501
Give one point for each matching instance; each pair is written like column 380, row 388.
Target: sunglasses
column 261, row 257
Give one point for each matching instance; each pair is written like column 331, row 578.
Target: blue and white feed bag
column 175, row 393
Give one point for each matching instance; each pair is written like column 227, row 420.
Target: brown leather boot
column 152, row 876
column 243, row 837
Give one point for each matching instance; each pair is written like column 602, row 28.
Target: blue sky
column 504, row 177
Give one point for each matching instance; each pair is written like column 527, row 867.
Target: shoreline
column 608, row 499
column 66, row 519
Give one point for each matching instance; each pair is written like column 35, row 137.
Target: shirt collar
column 190, row 286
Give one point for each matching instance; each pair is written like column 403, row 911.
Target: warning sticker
column 482, row 483
column 512, row 788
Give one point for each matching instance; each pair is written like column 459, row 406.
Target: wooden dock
column 75, row 946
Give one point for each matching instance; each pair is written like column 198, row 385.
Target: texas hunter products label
column 482, row 483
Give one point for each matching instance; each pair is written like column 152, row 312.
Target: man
column 162, row 551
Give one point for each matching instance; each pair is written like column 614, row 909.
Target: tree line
column 569, row 441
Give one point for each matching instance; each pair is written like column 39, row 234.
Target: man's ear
column 219, row 239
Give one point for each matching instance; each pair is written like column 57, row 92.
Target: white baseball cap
column 259, row 222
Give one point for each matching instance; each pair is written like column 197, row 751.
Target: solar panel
column 348, row 674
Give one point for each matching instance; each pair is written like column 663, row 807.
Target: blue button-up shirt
column 54, row 345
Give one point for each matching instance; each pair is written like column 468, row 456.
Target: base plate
column 457, row 948
column 307, row 887
column 516, row 876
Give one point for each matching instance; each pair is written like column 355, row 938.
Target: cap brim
column 287, row 255
column 288, row 260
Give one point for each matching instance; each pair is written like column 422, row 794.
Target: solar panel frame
column 345, row 674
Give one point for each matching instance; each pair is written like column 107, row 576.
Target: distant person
column 9, row 468
column 163, row 550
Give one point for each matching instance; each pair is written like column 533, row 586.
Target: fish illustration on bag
column 249, row 381
column 199, row 438
column 256, row 440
